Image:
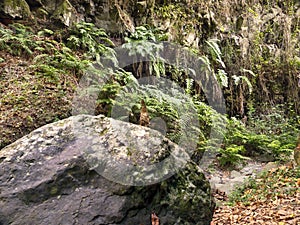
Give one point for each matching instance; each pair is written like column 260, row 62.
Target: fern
column 17, row 42
column 215, row 51
column 240, row 79
column 94, row 41
column 222, row 78
column 232, row 155
column 189, row 86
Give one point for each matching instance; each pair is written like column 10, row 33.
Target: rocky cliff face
column 245, row 30
column 106, row 14
column 67, row 173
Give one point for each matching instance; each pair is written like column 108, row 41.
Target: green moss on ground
column 29, row 101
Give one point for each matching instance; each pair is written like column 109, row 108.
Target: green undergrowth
column 268, row 186
column 54, row 61
column 53, row 53
column 184, row 116
column 272, row 138
column 40, row 71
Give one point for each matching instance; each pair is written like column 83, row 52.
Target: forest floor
column 272, row 197
column 29, row 100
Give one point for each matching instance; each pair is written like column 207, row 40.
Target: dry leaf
column 154, row 219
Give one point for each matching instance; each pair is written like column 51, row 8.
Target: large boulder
column 78, row 171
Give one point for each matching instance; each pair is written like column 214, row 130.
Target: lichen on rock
column 46, row 177
column 66, row 13
column 16, row 9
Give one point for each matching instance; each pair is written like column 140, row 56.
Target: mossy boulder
column 54, row 176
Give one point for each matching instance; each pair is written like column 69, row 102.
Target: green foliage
column 222, row 78
column 189, row 86
column 263, row 39
column 146, row 33
column 215, row 65
column 238, row 141
column 232, row 155
column 17, row 40
column 281, row 132
column 160, row 104
column 268, row 186
column 50, row 57
column 55, row 58
column 171, row 111
column 213, row 62
column 238, row 80
column 267, row 136
column 92, row 40
column 144, row 43
column 215, row 51
column 108, row 93
column 119, row 84
column 272, row 134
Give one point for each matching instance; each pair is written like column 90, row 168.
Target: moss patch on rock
column 66, row 13
column 16, row 8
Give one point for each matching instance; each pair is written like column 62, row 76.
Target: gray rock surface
column 14, row 9
column 102, row 13
column 52, row 176
column 226, row 181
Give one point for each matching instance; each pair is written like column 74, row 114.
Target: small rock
column 238, row 180
column 235, row 174
column 270, row 165
column 227, row 188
